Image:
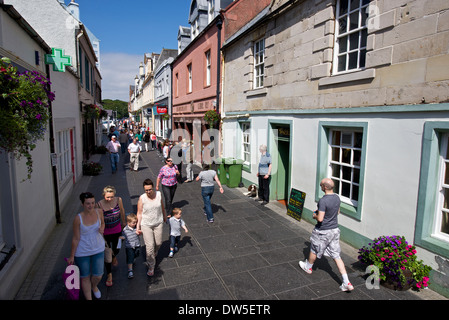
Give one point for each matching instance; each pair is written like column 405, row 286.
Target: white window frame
column 340, row 179
column 64, row 155
column 442, row 186
column 246, row 142
column 360, row 33
column 208, row 66
column 259, row 64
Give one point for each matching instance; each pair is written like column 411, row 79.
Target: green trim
column 428, row 183
column 375, row 109
column 271, row 142
column 322, row 162
column 239, row 141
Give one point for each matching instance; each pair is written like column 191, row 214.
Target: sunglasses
column 169, row 160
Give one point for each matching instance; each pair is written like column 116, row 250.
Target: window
column 441, row 224
column 81, row 66
column 344, row 163
column 341, row 156
column 432, row 224
column 350, row 35
column 208, row 68
column 246, row 142
column 176, row 84
column 189, row 72
column 87, row 73
column 63, row 150
column 259, row 63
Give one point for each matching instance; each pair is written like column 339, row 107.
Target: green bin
column 233, row 169
column 221, row 171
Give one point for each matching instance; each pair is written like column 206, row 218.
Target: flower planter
column 397, row 286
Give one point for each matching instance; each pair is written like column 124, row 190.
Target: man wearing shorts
column 325, row 239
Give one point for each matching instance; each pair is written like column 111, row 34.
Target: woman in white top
column 150, row 218
column 88, row 246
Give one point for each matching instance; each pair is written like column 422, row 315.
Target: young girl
column 176, row 223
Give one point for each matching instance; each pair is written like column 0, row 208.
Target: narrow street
column 250, row 252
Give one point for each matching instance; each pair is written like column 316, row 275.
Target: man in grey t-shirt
column 325, row 237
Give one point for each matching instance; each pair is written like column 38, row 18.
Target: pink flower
column 383, row 259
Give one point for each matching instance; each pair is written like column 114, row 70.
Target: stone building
column 352, row 90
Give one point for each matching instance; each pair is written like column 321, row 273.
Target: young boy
column 176, row 223
column 132, row 242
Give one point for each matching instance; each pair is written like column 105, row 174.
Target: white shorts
column 326, row 242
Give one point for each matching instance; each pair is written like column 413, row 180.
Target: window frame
column 443, row 168
column 323, row 168
column 189, row 78
column 361, row 29
column 64, row 167
column 207, row 78
column 434, row 132
column 259, row 64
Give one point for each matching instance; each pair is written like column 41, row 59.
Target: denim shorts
column 91, row 265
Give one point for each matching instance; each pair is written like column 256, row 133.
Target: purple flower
column 38, row 116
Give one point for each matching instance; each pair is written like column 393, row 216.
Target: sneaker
column 347, row 287
column 302, row 265
column 264, row 203
column 170, row 255
column 211, row 220
column 258, row 199
column 97, row 294
column 176, row 249
column 130, row 274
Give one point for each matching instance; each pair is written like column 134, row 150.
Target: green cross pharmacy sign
column 58, row 59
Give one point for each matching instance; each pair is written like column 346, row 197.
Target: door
column 280, row 180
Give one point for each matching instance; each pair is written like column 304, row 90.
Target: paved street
column 250, row 252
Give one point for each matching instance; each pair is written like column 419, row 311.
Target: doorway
column 281, row 155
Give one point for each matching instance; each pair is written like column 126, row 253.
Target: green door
column 282, row 174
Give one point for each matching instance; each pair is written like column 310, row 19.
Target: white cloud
column 118, row 71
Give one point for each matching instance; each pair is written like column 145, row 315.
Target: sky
column 127, row 30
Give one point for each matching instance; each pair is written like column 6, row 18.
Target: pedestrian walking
column 325, row 238
column 88, row 245
column 132, row 242
column 165, row 150
column 189, row 162
column 264, row 175
column 176, row 224
column 113, row 147
column 167, row 177
column 134, row 151
column 147, row 140
column 114, row 220
column 150, row 218
column 123, row 140
column 153, row 141
column 207, row 177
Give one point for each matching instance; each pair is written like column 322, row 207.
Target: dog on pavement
column 252, row 191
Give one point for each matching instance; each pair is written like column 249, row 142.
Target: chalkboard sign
column 296, row 204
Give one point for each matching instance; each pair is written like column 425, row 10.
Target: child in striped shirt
column 132, row 242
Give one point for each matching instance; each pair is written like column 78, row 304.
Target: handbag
column 107, row 253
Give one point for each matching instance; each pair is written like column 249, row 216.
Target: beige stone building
column 355, row 90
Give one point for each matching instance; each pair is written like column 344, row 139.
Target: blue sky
column 127, row 30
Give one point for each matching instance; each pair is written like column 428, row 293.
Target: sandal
column 150, row 272
column 109, row 282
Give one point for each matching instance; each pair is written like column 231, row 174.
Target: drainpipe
column 219, row 25
column 53, row 151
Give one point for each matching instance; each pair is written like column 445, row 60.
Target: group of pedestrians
column 102, row 225
column 99, row 229
column 129, row 141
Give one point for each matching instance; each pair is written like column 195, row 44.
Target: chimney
column 74, row 9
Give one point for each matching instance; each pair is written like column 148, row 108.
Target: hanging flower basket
column 24, row 114
column 396, row 260
column 211, row 117
column 165, row 116
column 95, row 112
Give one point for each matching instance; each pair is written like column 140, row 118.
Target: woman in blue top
column 88, row 246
